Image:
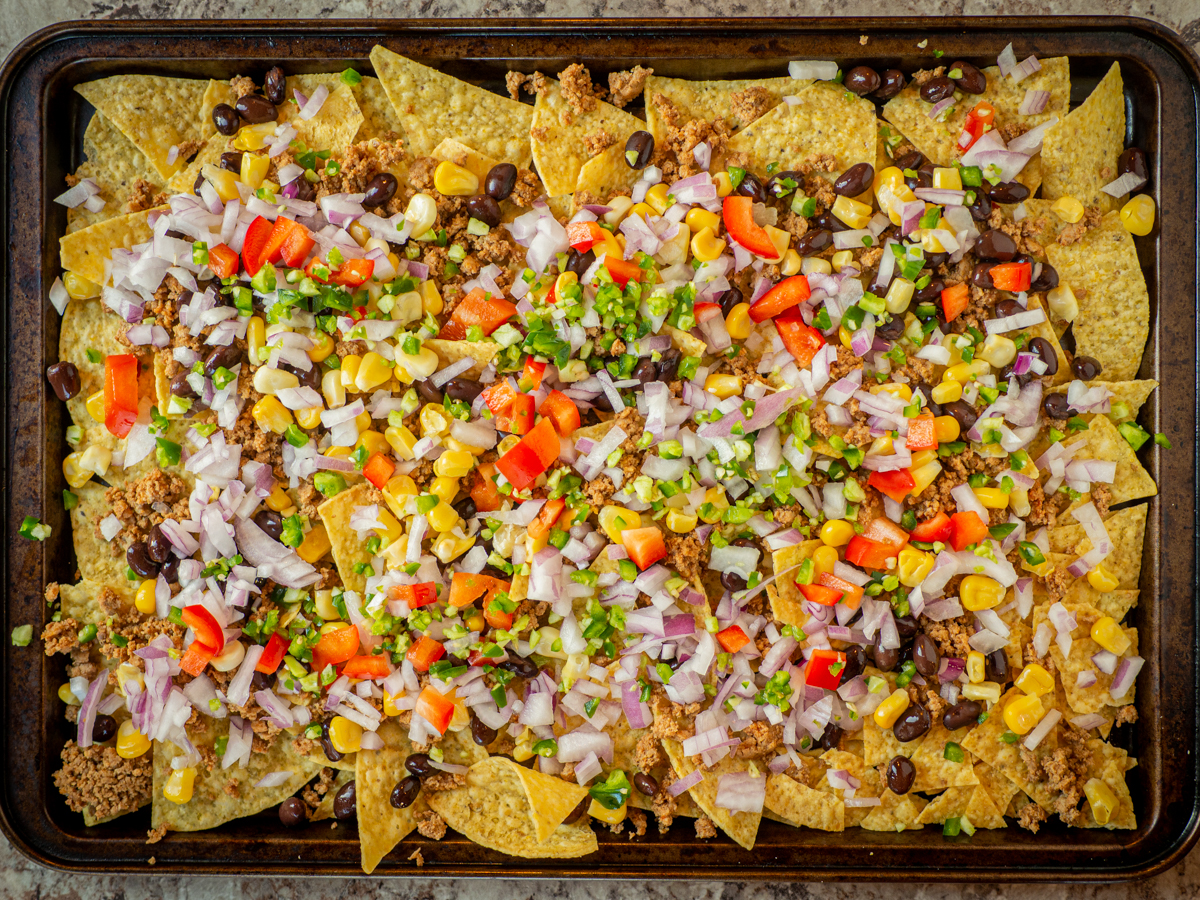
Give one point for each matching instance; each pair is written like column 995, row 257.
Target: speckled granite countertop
column 20, row 878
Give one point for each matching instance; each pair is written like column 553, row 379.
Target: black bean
column 481, row 734
column 638, row 149
column 925, row 655
column 668, row 365
column 732, row 581
column 270, row 522
column 404, row 793
column 500, row 181
column 830, row 737
column 275, row 85
column 1057, row 407
column 428, row 392
column 293, row 812
column 579, row 811
column 1133, row 160
column 380, row 190
column 1006, row 308
column 892, row 329
column 783, row 184
column 981, row 276
column 331, row 754
column 856, row 662
column 1047, row 279
column 752, row 187
column 996, row 667
column 225, row 118
column 906, row 627
column 937, row 89
column 260, row 681
column 232, row 161
column 1044, row 351
column 222, row 357
column 419, row 764
column 854, row 180
column 645, row 371
column 933, row 260
column 64, row 378
column 995, row 244
column 1006, row 191
column 900, row 774
column 963, row 412
column 886, row 659
column 256, row 109
column 913, row 159
column 345, row 802
column 913, row 723
column 463, row 389
column 927, row 393
column 465, row 508
column 104, row 728
column 304, row 189
column 729, row 299
column 180, row 386
column 981, row 208
column 308, row 378
column 579, row 263
column 861, row 80
column 813, row 241
column 645, row 783
column 139, row 560
column 1007, row 374
column 827, row 221
column 170, row 570
column 485, row 209
column 964, row 712
column 158, row 548
column 970, row 79
column 522, row 668
column 931, row 291
column 197, row 184
column 1086, row 368
column 892, row 83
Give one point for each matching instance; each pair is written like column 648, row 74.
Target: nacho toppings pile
column 442, row 460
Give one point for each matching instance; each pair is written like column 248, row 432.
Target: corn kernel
column 66, row 695
column 887, row 181
column 881, row 446
column 724, row 184
column 271, row 415
column 254, row 169
column 271, row 381
column 256, row 339
column 452, row 444
column 447, row 547
column 790, row 264
column 946, row 392
column 1102, row 579
column 346, row 736
column 254, row 137
column 997, row 350
column 914, row 565
column 697, row 218
column 78, row 287
column 454, row 464
column 815, row 265
column 397, row 492
column 1022, row 714
column 924, row 475
column 324, row 602
column 77, row 476
column 852, row 212
column 946, row 428
column 723, row 386
column 608, row 816
column 372, row 372
column 401, row 440
column 891, row 709
column 615, row 519
column 893, row 389
column 131, row 743
column 984, row 690
column 95, row 406
column 1062, row 302
column 144, row 598
column 738, row 323
column 418, row 367
column 1138, row 215
column 947, row 179
column 965, row 372
column 899, row 296
column 930, row 242
column 657, row 197
column 644, row 210
column 230, row 657
column 431, row 299
column 309, row 417
column 332, row 389
column 1018, row 502
column 681, row 523
column 1068, row 209
column 618, row 208
column 454, row 181
column 1035, row 680
column 991, row 498
column 434, row 420
column 706, row 246
column 179, row 784
column 845, row 336
column 349, row 370
column 421, row 214
column 374, row 442
column 222, row 180
column 524, row 746
column 836, row 533
column 1101, row 799
column 1109, row 635
column 315, row 545
column 841, row 259
column 976, row 667
column 443, row 517
column 824, row 559
column 780, row 239
column 980, row 592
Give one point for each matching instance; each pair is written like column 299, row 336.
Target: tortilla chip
column 432, row 106
column 333, row 127
column 215, row 94
column 938, row 140
column 1133, row 394
column 1080, row 153
column 347, row 549
column 786, row 600
column 211, row 804
column 114, row 164
column 999, row 788
column 741, row 826
column 605, row 174
column 895, row 812
column 1126, row 530
column 804, row 807
column 450, row 352
column 81, row 602
column 493, row 810
column 184, row 180
column 376, row 773
column 324, row 809
column 346, row 764
column 709, row 100
column 870, row 783
column 880, row 744
column 462, row 155
column 154, row 112
column 1109, row 764
column 558, row 133
column 379, row 119
column 1114, row 306
column 1110, row 603
column 86, row 251
column 99, row 561
column 984, row 740
column 551, row 800
column 1132, row 481
column 934, row 771
column 975, row 804
column 458, row 749
column 687, row 344
column 89, row 325
column 1083, row 648
column 827, row 121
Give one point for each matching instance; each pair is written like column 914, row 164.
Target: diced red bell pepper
column 966, row 529
column 732, row 639
column 896, row 485
column 819, row 593
column 788, row 293
column 496, row 617
column 379, row 469
column 467, row 587
column 1012, row 276
column 198, row 656
column 273, row 655
column 223, row 261
column 546, row 517
column 704, row 311
column 424, row 653
column 933, row 530
column 353, row 273
column 824, row 669
column 367, row 666
column 884, row 531
column 802, row 341
column 531, row 457
column 289, row 242
column 533, row 373
column 868, row 554
column 582, row 236
column 645, row 546
column 477, row 309
column 120, row 392
column 921, row 433
column 484, row 492
column 254, row 246
column 521, row 414
column 954, row 300
column 415, row 595
column 435, row 708
column 978, row 122
column 499, row 396
column 738, row 213
column 562, row 411
column 852, row 594
column 336, row 645
column 623, row 271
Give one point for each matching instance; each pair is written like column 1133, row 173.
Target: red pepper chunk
column 819, row 593
column 435, row 708
column 582, row 236
column 198, row 656
column 954, row 300
column 477, row 309
column 273, row 655
column 353, row 272
column 704, row 311
column 369, row 666
column 415, row 595
column 921, row 433
column 205, row 626
column 645, row 546
column 978, row 122
column 1012, row 276
column 895, row 484
column 824, row 669
column 852, row 594
column 484, row 492
column 738, row 213
column 623, row 271
column 562, row 410
column 788, row 293
column 802, row 341
column 497, row 618
column 467, row 587
column 966, row 528
column 533, row 372
column 424, row 653
column 521, row 414
column 289, row 242
column 223, row 261
column 732, row 639
column 931, row 530
column 546, row 517
column 379, row 469
column 120, row 393
column 531, row 457
column 868, row 554
column 254, row 245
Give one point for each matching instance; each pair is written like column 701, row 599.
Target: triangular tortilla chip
column 711, row 100
column 786, row 600
column 1079, row 154
column 347, row 549
column 1109, row 764
column 1110, row 603
column 804, row 807
column 86, row 251
column 215, row 94
column 934, row 771
column 975, row 803
column 376, row 773
column 551, row 800
column 741, row 826
column 379, row 119
column 1132, row 481
column 999, row 788
column 1083, row 648
column 324, row 809
column 870, row 782
column 1126, row 530
column 337, row 122
column 115, row 165
column 1131, row 394
column 895, row 812
column 449, row 352
column 605, row 175
column 81, row 602
column 880, row 744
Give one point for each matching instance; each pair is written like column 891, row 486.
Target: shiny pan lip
column 44, row 122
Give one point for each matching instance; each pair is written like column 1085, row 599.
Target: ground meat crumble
column 96, row 777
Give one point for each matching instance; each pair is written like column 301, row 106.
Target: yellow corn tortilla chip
column 324, row 809
column 1083, row 648
column 450, row 352
column 81, row 602
column 86, row 251
column 215, row 94
column 984, row 741
column 939, row 140
column 687, row 344
column 551, row 800
column 493, row 810
column 827, row 120
column 1109, row 764
column 605, row 175
column 1126, row 530
column 346, row 548
column 114, row 164
column 99, row 561
column 870, row 782
column 880, row 744
column 999, row 788
column 379, row 119
column 803, row 807
column 346, row 764
column 895, row 812
column 432, row 106
column 335, row 124
column 1110, row 603
column 376, row 773
column 710, row 100
column 184, row 180
column 973, row 803
column 154, row 112
column 934, row 771
column 1079, row 154
column 211, row 804
column 557, row 136
column 786, row 599
column 1133, row 394
column 741, row 826
column 1114, row 306
column 1132, row 481
column 458, row 749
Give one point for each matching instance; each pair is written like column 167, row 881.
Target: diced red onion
column 1034, row 102
column 1126, row 673
column 313, row 105
column 1128, row 182
column 677, row 787
column 741, row 792
column 1043, row 728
